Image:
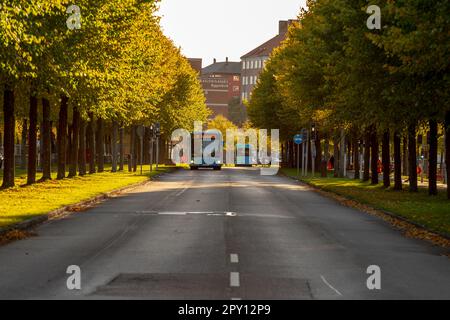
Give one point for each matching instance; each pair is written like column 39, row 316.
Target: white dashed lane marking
column 234, row 279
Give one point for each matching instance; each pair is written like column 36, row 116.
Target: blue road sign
column 298, row 139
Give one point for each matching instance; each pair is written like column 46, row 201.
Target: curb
column 387, row 213
column 71, row 209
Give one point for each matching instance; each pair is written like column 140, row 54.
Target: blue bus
column 249, row 157
column 199, row 162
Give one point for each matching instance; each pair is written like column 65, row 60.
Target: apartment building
column 254, row 62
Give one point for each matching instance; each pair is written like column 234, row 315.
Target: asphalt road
column 222, row 235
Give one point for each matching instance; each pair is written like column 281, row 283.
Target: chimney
column 283, row 27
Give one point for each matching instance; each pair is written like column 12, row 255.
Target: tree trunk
column 398, row 185
column 121, row 149
column 336, row 156
column 318, row 159
column 115, row 133
column 366, row 173
column 405, row 169
column 46, row 141
column 100, row 145
column 356, row 162
column 32, row 141
column 8, row 140
column 130, row 155
column 75, row 143
column 375, row 155
column 62, row 138
column 342, row 154
column 90, row 141
column 432, row 188
column 137, row 148
column 82, row 149
column 23, row 149
column 386, row 155
column 447, row 150
column 412, row 158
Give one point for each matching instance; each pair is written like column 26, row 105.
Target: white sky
column 224, row 28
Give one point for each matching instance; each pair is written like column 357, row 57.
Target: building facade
column 221, row 83
column 196, row 64
column 253, row 63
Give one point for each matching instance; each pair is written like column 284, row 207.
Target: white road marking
column 330, row 286
column 236, row 299
column 234, row 258
column 231, row 214
column 172, row 213
column 234, row 279
column 181, row 192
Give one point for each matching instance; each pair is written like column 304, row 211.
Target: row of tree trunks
column 23, row 149
column 121, row 149
column 366, row 171
column 62, row 138
column 318, row 145
column 32, row 140
column 90, row 142
column 132, row 152
column 100, row 145
column 432, row 173
column 413, row 187
column 374, row 150
column 386, row 157
column 405, row 170
column 8, row 139
column 46, row 141
column 74, row 143
column 398, row 184
column 356, row 159
column 82, row 149
column 115, row 133
column 447, row 150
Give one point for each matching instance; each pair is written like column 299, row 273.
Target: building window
column 235, row 88
column 236, row 78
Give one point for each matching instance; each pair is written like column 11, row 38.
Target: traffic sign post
column 304, row 155
column 298, row 140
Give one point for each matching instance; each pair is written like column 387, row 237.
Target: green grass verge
column 430, row 212
column 24, row 202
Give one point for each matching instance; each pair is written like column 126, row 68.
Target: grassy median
column 25, row 202
column 430, row 212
